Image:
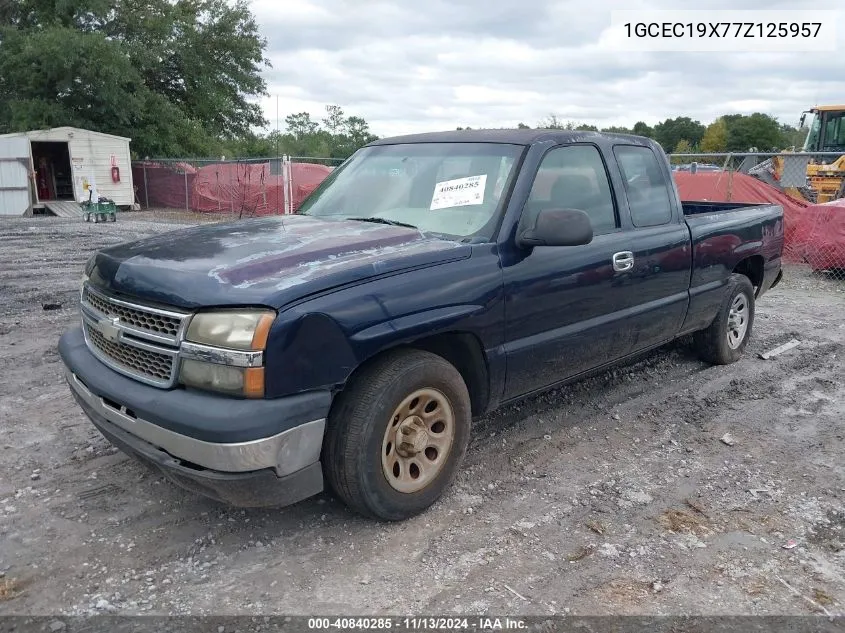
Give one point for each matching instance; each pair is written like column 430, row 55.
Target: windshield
column 454, row 189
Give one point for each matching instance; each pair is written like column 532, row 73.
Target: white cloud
column 409, row 67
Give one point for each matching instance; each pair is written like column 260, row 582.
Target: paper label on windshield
column 459, row 192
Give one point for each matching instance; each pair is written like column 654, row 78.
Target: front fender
column 412, row 326
column 319, row 342
column 307, row 352
column 313, row 351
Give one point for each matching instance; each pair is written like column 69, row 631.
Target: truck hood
column 268, row 261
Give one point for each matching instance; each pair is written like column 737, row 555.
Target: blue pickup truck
column 428, row 280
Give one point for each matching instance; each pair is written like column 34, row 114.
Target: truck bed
column 695, row 207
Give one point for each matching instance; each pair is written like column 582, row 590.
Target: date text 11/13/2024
column 410, row 623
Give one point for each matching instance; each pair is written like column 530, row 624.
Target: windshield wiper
column 384, row 221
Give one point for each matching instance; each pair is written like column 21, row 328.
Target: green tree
column 334, row 119
column 615, row 129
column 683, row 147
column 758, row 130
column 300, row 125
column 352, row 133
column 358, row 132
column 642, row 129
column 794, row 137
column 669, row 132
column 522, row 126
column 715, row 137
column 551, row 122
column 338, row 137
column 252, row 146
column 176, row 77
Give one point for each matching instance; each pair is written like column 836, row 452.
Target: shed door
column 14, row 178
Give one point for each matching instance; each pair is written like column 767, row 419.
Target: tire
column 725, row 340
column 87, row 217
column 375, row 475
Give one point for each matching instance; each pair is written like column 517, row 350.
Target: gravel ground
column 614, row 495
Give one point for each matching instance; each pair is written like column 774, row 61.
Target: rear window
column 645, row 185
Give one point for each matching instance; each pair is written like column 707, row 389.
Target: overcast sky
column 421, row 65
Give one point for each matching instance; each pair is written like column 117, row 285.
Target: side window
column 645, row 185
column 574, row 177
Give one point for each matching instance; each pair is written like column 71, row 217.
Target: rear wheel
column 397, row 435
column 725, row 340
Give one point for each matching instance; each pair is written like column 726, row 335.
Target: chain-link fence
column 809, row 186
column 206, row 190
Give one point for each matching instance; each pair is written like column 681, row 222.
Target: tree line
column 336, row 136
column 683, row 135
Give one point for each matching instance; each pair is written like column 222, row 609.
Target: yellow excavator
column 823, row 176
column 827, row 134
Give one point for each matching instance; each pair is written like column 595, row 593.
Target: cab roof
column 828, row 108
column 513, row 136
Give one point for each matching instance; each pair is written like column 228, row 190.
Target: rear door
column 567, row 307
column 14, row 175
column 659, row 245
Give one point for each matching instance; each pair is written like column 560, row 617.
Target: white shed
column 43, row 168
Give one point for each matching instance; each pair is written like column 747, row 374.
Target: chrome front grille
column 134, row 360
column 139, row 341
column 155, row 321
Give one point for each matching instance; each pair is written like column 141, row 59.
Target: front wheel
column 397, row 435
column 725, row 340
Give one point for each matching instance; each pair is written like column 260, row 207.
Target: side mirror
column 556, row 227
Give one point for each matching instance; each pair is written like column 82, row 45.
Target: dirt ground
column 614, row 495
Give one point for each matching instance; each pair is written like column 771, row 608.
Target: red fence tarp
column 738, row 187
column 242, row 188
column 819, row 238
column 166, row 185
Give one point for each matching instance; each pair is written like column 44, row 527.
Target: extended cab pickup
column 428, row 280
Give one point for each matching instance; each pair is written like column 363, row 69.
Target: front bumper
column 244, row 452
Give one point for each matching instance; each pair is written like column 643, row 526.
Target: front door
column 566, row 306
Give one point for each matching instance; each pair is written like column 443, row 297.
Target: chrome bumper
column 286, row 452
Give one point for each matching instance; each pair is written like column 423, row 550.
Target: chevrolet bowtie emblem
column 109, row 329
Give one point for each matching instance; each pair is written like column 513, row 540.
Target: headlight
column 223, row 352
column 234, row 329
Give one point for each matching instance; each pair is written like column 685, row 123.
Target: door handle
column 623, row 261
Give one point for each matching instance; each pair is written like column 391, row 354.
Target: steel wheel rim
column 737, row 321
column 418, row 440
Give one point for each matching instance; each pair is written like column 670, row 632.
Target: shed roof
column 67, row 128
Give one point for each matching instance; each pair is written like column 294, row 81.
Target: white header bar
column 776, row 31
